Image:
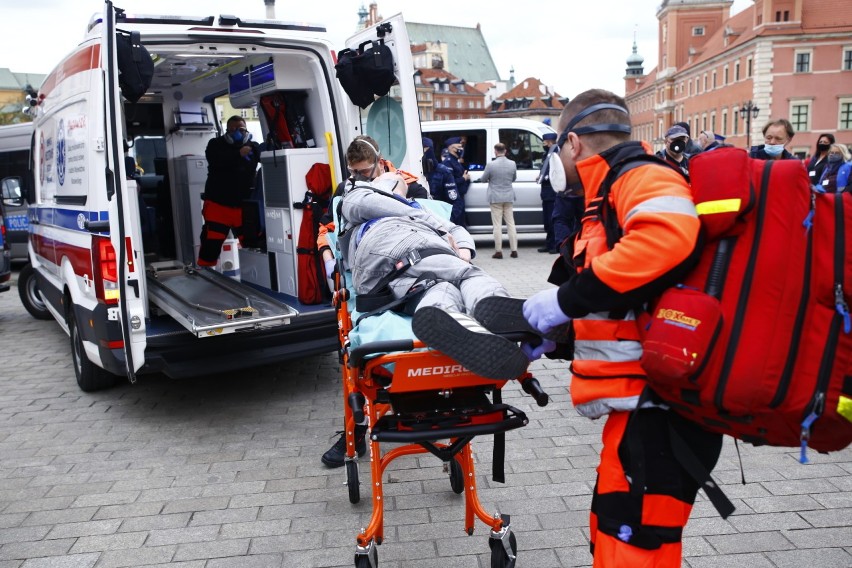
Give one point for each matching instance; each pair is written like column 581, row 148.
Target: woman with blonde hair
column 835, row 175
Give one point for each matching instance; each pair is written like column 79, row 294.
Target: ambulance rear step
column 208, row 303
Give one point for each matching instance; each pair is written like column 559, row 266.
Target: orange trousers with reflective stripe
column 662, row 510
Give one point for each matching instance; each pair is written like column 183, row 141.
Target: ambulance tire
column 30, row 296
column 90, row 377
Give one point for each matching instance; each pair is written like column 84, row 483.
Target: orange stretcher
column 428, row 403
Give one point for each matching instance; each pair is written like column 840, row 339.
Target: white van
column 15, row 141
column 480, row 135
column 112, row 258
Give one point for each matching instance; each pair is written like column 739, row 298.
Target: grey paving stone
column 71, row 561
column 24, row 550
column 182, row 535
column 154, row 522
column 116, row 541
column 136, row 557
column 820, row 537
column 829, row 557
column 87, row 528
column 767, row 522
column 749, row 542
column 216, row 549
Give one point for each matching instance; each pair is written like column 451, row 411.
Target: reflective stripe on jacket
column 654, row 208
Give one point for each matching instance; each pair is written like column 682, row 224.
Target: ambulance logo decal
column 60, row 152
column 81, row 221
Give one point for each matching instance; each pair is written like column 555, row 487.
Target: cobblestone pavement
column 225, row 471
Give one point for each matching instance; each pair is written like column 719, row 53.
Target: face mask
column 773, row 149
column 834, row 158
column 556, row 171
column 823, row 147
column 460, row 153
column 677, row 146
column 237, row 136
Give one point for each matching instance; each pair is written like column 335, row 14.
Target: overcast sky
column 571, row 45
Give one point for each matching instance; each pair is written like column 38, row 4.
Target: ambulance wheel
column 499, row 556
column 90, row 377
column 456, row 477
column 352, row 481
column 30, row 296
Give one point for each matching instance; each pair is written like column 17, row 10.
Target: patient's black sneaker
column 501, row 314
column 461, row 337
column 336, row 454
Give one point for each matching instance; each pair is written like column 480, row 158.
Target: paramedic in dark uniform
column 231, row 165
column 455, row 151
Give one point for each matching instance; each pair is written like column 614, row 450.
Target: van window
column 14, row 163
column 476, row 152
column 523, row 147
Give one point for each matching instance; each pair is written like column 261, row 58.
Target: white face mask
column 556, row 171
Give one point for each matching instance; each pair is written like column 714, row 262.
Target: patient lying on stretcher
column 405, row 257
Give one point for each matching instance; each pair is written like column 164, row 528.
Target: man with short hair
column 777, row 134
column 643, row 495
column 500, row 174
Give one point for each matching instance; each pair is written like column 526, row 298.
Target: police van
column 113, row 252
column 5, row 260
column 15, row 141
column 523, row 140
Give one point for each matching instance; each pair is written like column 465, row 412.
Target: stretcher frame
column 367, row 386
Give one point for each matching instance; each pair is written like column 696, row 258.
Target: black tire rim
column 34, row 296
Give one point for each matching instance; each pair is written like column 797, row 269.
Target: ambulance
column 112, row 252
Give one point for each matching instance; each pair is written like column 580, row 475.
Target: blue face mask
column 773, row 149
column 834, row 158
column 237, row 135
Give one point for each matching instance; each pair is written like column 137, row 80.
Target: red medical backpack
column 756, row 343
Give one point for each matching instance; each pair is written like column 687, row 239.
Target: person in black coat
column 455, row 151
column 548, row 196
column 231, row 167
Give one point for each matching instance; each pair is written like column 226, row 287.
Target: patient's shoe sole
column 460, row 337
column 501, row 314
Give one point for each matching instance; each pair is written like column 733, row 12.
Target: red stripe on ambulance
column 83, row 60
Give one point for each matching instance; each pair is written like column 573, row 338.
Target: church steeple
column 635, row 61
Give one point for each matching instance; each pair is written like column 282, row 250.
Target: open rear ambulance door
column 393, row 120
column 123, row 208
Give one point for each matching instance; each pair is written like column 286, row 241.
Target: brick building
column 790, row 58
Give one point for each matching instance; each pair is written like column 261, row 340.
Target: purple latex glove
column 533, row 353
column 542, row 311
column 329, row 267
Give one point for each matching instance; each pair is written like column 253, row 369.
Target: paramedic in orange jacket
column 365, row 163
column 633, row 522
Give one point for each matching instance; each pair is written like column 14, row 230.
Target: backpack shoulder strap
column 601, row 208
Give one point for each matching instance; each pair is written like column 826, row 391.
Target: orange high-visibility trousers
column 634, row 528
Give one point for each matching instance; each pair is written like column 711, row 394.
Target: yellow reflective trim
column 719, row 206
column 844, row 407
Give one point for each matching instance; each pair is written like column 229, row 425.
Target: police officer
column 455, row 152
column 548, row 196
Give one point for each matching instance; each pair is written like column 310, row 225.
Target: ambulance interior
column 167, row 132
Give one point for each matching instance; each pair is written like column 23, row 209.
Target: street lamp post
column 748, row 111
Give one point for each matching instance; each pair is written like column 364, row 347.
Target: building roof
column 530, row 94
column 11, row 81
column 467, row 51
column 433, row 75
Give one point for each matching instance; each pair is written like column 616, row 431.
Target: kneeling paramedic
column 643, row 495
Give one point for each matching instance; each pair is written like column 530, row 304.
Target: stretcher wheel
column 456, row 477
column 367, row 557
column 352, row 481
column 499, row 556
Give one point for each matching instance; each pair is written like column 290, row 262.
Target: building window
column 799, row 116
column 736, row 121
column 803, row 62
column 725, row 122
column 704, row 85
column 714, row 79
column 713, row 122
column 243, row 113
column 698, row 31
column 726, row 75
column 737, row 71
column 847, row 59
column 845, row 114
column 749, row 67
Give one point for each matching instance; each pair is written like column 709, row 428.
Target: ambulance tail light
column 105, row 268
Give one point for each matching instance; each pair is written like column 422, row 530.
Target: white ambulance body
column 111, row 257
